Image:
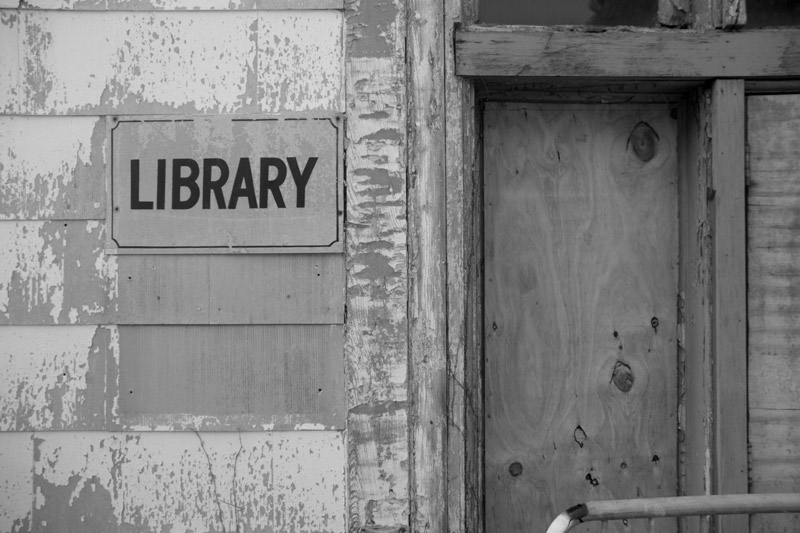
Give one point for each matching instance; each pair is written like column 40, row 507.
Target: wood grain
column 773, row 298
column 376, row 334
column 694, row 318
column 427, row 303
column 231, row 377
column 581, row 264
column 231, row 289
column 730, row 292
column 519, row 51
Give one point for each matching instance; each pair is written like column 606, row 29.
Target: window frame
column 711, row 72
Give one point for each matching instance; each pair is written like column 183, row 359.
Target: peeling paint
column 63, row 181
column 300, row 61
column 43, row 279
column 180, row 5
column 182, row 482
column 172, row 61
column 16, row 482
column 53, row 378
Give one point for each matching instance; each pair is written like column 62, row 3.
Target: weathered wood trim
column 694, row 303
column 674, row 13
column 519, row 51
column 464, row 466
column 724, row 14
column 376, row 329
column 730, row 293
column 427, row 306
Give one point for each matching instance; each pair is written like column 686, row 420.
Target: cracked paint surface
column 177, row 5
column 171, row 61
column 63, row 181
column 53, row 377
column 55, row 273
column 16, row 482
column 183, row 482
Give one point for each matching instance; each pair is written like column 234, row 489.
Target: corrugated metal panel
column 232, row 289
column 231, row 377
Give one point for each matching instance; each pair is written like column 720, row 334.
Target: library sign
column 225, row 184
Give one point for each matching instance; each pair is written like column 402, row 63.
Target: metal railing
column 652, row 508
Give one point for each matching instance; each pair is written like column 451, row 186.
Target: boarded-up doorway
column 581, row 275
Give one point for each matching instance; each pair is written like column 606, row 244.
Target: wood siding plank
column 730, row 293
column 172, row 62
column 773, row 299
column 54, row 378
column 235, row 378
column 179, row 5
column 52, row 168
column 581, row 279
column 55, row 273
column 16, row 482
column 231, row 289
column 376, row 334
column 518, row 51
column 283, row 481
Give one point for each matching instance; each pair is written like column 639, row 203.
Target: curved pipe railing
column 653, row 508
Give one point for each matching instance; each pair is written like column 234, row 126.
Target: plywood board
column 97, row 482
column 54, row 378
column 231, row 289
column 55, row 272
column 581, row 280
column 171, row 62
column 51, row 168
column 231, row 377
column 773, row 220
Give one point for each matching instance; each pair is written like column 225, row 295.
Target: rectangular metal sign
column 225, row 184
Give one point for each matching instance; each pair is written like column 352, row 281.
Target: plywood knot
column 643, row 140
column 622, row 376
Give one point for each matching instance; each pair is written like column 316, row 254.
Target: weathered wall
column 127, row 401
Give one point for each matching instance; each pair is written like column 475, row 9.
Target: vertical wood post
column 427, row 307
column 463, row 314
column 694, row 302
column 730, row 293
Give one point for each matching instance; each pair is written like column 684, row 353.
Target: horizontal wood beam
column 535, row 51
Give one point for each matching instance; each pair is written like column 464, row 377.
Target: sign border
column 337, row 246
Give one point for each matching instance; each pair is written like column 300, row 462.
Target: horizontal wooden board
column 180, row 5
column 520, row 51
column 773, row 223
column 171, row 62
column 231, row 377
column 16, row 482
column 775, row 462
column 231, row 289
column 54, row 378
column 52, row 168
column 55, row 272
column 93, row 482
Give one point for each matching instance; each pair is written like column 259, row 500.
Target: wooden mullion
column 729, row 335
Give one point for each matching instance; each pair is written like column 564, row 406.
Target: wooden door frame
column 447, row 67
